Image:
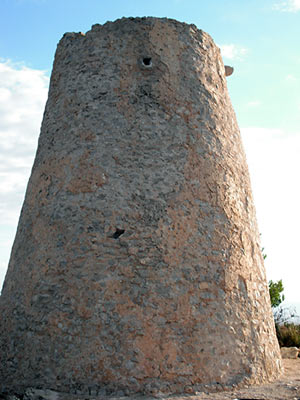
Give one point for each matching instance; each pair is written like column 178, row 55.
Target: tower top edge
column 141, row 21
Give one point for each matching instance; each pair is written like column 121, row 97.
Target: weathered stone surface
column 289, row 352
column 136, row 265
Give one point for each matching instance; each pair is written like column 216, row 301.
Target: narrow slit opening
column 118, row 233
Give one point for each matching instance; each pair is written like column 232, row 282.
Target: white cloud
column 288, row 6
column 233, row 51
column 274, row 164
column 3, row 267
column 290, row 78
column 23, row 93
column 254, row 104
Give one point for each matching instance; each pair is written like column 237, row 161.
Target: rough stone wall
column 139, row 136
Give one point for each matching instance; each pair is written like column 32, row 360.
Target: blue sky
column 260, row 39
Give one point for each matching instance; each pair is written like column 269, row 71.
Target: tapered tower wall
column 137, row 263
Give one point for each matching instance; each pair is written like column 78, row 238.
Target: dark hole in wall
column 147, row 61
column 118, row 233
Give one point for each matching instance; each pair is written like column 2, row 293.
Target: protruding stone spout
column 228, row 70
column 137, row 265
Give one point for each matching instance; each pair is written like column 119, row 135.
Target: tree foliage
column 276, row 296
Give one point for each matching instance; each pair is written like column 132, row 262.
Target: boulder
column 289, row 352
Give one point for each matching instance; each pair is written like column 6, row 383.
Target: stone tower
column 137, row 265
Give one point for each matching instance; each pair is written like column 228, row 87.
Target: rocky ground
column 287, row 387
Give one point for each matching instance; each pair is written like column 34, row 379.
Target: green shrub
column 275, row 290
